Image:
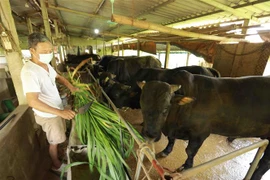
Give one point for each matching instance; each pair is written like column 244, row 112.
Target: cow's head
column 155, row 103
column 106, row 79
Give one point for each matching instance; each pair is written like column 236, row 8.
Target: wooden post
column 138, row 48
column 188, row 54
column 56, row 28
column 48, row 32
column 29, row 25
column 45, row 19
column 14, row 57
column 41, row 30
column 167, row 56
column 111, row 48
column 60, row 50
column 64, row 52
column 123, row 50
column 118, row 46
column 245, row 24
column 104, row 48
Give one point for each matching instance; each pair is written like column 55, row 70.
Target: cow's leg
column 193, row 146
column 168, row 148
column 263, row 166
column 230, row 139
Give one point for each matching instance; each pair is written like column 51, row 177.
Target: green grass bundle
column 107, row 138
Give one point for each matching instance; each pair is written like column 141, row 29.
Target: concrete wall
column 23, row 146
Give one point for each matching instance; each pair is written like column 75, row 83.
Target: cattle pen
column 147, row 150
column 184, row 41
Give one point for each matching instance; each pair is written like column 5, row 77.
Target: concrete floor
column 214, row 146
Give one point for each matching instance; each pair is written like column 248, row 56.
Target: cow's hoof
column 161, row 155
column 230, row 139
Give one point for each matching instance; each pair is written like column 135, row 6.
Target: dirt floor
column 214, row 146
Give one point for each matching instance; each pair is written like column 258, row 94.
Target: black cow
column 126, row 67
column 215, row 72
column 120, row 94
column 77, row 59
column 150, row 74
column 235, row 107
column 147, row 74
column 108, row 58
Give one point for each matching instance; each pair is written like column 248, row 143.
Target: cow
column 234, row 107
column 147, row 74
column 215, row 72
column 120, row 94
column 77, row 59
column 126, row 67
column 150, row 74
column 107, row 58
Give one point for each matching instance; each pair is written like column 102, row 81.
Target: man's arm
column 34, row 102
column 65, row 82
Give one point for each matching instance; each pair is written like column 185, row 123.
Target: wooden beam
column 76, row 12
column 152, row 26
column 99, row 6
column 236, row 12
column 110, row 34
column 14, row 57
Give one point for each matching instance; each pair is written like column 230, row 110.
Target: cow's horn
column 175, row 88
column 186, row 100
column 141, row 84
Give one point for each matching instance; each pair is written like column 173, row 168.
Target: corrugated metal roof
column 173, row 13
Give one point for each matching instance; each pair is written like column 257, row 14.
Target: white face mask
column 45, row 58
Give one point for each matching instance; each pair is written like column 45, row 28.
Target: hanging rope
column 140, row 153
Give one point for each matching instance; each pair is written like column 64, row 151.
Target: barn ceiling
column 202, row 18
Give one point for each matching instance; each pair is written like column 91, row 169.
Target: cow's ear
column 186, row 100
column 175, row 88
column 141, row 84
column 113, row 76
column 106, row 79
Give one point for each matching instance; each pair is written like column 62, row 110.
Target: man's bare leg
column 54, row 155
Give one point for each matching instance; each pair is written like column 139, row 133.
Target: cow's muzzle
column 151, row 136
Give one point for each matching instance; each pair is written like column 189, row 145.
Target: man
column 38, row 79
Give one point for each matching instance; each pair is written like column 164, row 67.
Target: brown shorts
column 54, row 128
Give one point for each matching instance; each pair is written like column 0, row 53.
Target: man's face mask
column 45, row 58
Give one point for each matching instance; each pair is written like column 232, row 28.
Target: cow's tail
column 215, row 72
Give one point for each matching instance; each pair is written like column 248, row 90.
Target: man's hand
column 74, row 89
column 66, row 83
column 67, row 114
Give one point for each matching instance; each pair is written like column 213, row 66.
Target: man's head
column 40, row 47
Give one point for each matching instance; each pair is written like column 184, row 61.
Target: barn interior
column 231, row 36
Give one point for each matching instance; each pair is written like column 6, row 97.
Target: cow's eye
column 165, row 111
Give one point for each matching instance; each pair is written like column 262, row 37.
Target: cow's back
column 228, row 106
column 126, row 68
